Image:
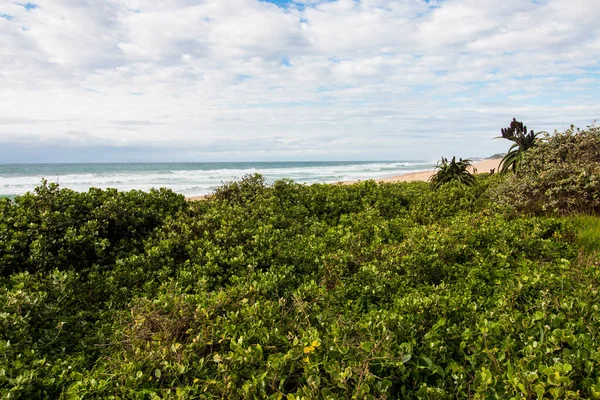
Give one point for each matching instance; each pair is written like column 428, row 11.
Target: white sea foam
column 192, row 179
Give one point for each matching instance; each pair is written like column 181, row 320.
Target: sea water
column 191, row 179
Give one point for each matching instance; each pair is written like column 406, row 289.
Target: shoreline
column 481, row 166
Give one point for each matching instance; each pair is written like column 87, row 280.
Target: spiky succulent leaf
column 449, row 171
column 523, row 140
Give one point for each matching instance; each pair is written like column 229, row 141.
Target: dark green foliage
column 65, row 229
column 523, row 141
column 452, row 171
column 366, row 291
column 560, row 175
column 241, row 191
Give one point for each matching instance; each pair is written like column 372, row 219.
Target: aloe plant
column 448, row 171
column 523, row 141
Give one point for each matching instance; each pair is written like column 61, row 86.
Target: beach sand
column 195, row 198
column 480, row 167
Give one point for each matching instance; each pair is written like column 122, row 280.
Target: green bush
column 290, row 291
column 61, row 228
column 560, row 175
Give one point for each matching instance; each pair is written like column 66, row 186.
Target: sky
column 250, row 80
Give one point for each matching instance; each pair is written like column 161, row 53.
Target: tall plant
column 449, row 171
column 523, row 141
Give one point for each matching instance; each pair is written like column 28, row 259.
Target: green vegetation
column 560, row 175
column 287, row 291
column 452, row 171
column 523, row 141
column 588, row 233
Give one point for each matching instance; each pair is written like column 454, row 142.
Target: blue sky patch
column 28, row 6
column 6, row 17
column 294, row 4
column 241, row 78
column 280, row 3
column 591, row 70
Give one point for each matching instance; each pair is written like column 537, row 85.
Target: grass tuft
column 587, row 229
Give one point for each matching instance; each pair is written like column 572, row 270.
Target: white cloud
column 227, row 79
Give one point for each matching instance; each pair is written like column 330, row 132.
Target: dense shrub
column 560, row 175
column 56, row 228
column 295, row 291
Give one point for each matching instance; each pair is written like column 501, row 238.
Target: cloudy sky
column 219, row 80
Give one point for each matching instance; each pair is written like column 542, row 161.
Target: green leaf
column 427, row 361
column 314, row 381
column 367, row 346
column 539, row 390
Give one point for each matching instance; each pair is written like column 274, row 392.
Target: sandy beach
column 480, row 167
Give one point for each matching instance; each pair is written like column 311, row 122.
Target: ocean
column 191, row 179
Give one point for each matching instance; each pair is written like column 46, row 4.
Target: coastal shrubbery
column 60, row 228
column 560, row 175
column 452, row 171
column 289, row 291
